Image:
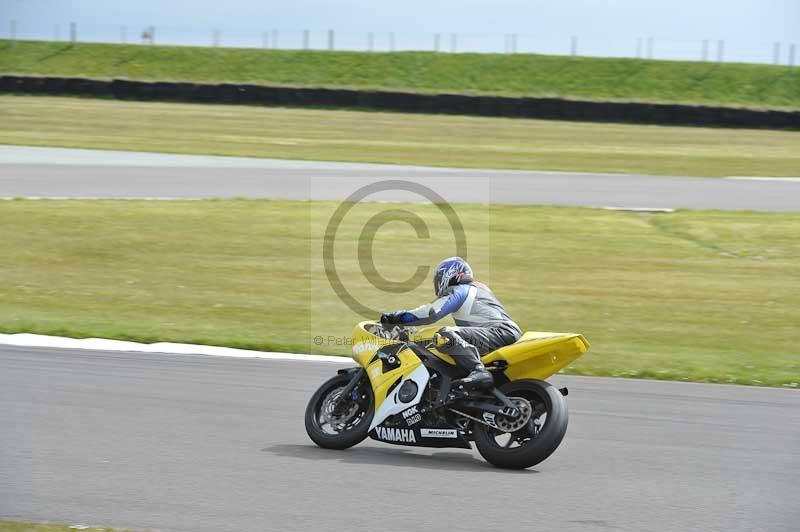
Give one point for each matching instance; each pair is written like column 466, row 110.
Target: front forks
column 356, row 376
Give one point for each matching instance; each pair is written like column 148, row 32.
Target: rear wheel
column 537, row 439
column 336, row 422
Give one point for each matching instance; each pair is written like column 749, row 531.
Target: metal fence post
column 437, row 42
column 453, row 42
column 306, row 39
column 720, row 51
column 73, row 32
column 776, row 53
column 275, row 39
column 638, row 48
column 513, row 43
column 215, row 38
column 573, row 46
column 152, row 34
column 12, row 30
column 391, row 41
column 370, row 42
column 791, row 54
column 649, row 47
column 330, row 40
column 264, row 40
column 123, row 34
column 704, row 54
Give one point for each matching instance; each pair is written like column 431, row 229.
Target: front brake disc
column 337, row 420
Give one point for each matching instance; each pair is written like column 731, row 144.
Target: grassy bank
column 759, row 86
column 704, row 296
column 396, row 138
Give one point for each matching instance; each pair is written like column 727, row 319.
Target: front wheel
column 336, row 422
column 537, row 439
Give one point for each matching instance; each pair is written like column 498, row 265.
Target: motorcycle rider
column 482, row 324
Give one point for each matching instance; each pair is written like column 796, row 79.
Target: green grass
column 759, row 86
column 16, row 526
column 433, row 140
column 695, row 295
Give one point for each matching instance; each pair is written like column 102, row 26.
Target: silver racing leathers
column 482, row 323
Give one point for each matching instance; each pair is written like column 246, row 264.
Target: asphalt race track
column 196, row 443
column 58, row 172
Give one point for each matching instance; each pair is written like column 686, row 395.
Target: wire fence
column 643, row 47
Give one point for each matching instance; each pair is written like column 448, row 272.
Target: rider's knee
column 453, row 339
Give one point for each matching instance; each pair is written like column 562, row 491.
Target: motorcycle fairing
column 412, row 427
column 422, row 436
column 389, row 363
column 391, row 404
column 536, row 355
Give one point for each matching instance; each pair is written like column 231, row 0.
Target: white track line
column 99, row 198
column 102, row 344
column 755, row 178
column 167, row 348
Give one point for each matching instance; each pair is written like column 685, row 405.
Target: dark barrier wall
column 548, row 108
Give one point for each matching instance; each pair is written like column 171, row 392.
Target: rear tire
column 534, row 446
column 351, row 433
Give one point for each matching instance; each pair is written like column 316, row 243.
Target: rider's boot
column 479, row 377
column 468, row 359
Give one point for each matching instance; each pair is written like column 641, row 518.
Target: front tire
column 349, row 425
column 539, row 438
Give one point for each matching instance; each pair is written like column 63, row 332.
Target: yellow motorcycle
column 405, row 391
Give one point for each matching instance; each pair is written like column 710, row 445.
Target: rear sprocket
column 513, row 424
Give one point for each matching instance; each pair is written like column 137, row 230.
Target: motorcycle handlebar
column 437, row 340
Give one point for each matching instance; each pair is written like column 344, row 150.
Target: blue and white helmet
column 454, row 270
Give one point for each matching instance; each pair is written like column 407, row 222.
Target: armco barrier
column 546, row 108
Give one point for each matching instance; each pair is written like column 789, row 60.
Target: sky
column 601, row 27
